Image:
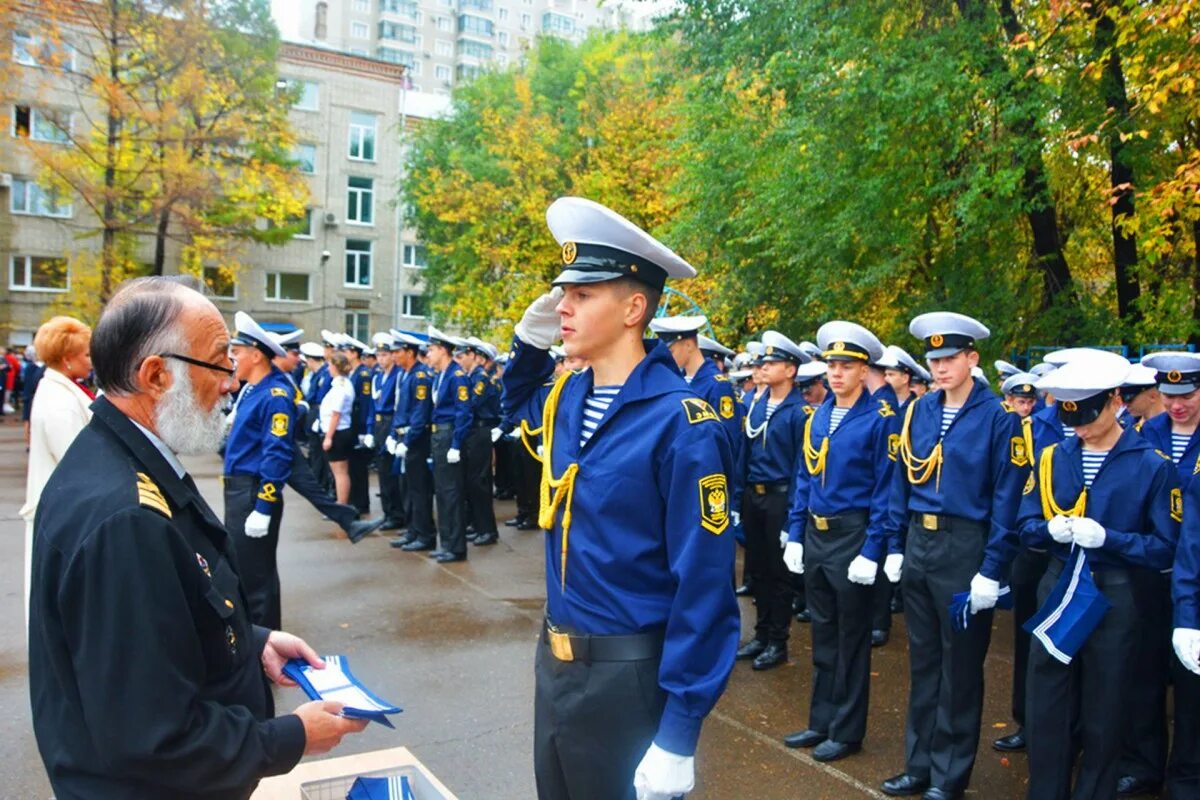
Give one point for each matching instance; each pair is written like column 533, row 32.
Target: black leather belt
column 572, row 647
column 768, row 488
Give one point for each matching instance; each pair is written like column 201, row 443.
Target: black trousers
column 1081, row 706
column 529, row 478
column 1144, row 748
column 307, row 486
column 1027, row 570
column 763, row 517
column 945, row 703
column 506, row 466
column 360, row 479
column 881, row 601
column 255, row 556
column 477, row 464
column 1183, row 776
column 592, row 723
column 841, row 629
column 419, row 482
column 389, row 485
column 449, row 484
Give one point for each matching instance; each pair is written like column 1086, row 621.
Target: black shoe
column 435, row 553
column 804, row 738
column 1015, row 742
column 484, row 539
column 471, row 536
column 1129, row 786
column 515, row 522
column 879, row 638
column 392, row 525
column 940, row 794
column 505, row 496
column 527, row 525
column 905, row 785
column 745, row 590
column 417, row 546
column 829, row 750
column 804, row 615
column 401, row 541
column 446, row 558
column 361, row 528
column 751, row 649
column 773, row 656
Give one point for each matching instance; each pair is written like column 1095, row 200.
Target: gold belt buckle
column 929, row 522
column 760, row 488
column 820, row 523
column 560, row 645
column 433, row 428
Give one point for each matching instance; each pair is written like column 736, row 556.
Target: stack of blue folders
column 337, row 683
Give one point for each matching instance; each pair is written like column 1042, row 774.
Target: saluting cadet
column 1141, row 397
column 836, row 537
column 477, row 446
column 410, row 443
column 383, row 394
column 1106, row 505
column 775, row 433
column 258, row 462
column 451, row 420
column 956, row 490
column 362, row 416
column 641, row 622
column 1183, row 778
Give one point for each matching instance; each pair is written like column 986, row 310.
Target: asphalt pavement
column 453, row 645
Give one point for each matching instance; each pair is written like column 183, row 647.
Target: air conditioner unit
column 428, row 54
column 5, row 180
column 330, row 219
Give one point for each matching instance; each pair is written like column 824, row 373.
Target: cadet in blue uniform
column 836, row 537
column 383, row 395
column 1106, row 505
column 362, row 422
column 411, row 444
column 956, row 490
column 1141, row 397
column 1183, row 777
column 641, row 621
column 810, row 382
column 318, row 387
column 258, row 462
column 774, row 450
column 451, row 420
column 477, row 446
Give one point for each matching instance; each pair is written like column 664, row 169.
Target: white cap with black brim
column 249, row 333
column 840, row 340
column 1083, row 385
column 946, row 333
column 777, row 347
column 1178, row 372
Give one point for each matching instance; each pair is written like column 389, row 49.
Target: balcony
column 558, row 25
column 398, row 33
column 478, row 27
column 484, row 6
column 407, row 9
column 394, row 56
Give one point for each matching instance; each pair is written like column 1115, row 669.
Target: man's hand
column 257, row 525
column 793, row 557
column 1186, row 642
column 1087, row 532
column 401, row 450
column 389, row 444
column 539, row 326
column 862, row 571
column 1059, row 528
column 984, row 593
column 662, row 775
column 893, row 567
column 496, row 434
column 453, row 456
column 324, row 726
column 282, row 648
column 369, row 441
column 327, row 443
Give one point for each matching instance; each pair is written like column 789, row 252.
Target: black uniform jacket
column 144, row 670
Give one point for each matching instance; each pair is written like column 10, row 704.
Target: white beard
column 182, row 424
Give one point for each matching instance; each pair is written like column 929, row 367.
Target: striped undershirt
column 948, row 415
column 835, row 418
column 1092, row 461
column 1068, row 432
column 595, row 407
column 771, row 406
column 1179, row 443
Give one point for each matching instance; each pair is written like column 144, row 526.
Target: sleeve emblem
column 479, row 388
column 727, row 407
column 714, row 504
column 893, row 446
column 422, row 391
column 1018, row 453
column 462, row 394
column 698, row 411
column 268, row 493
column 885, row 409
column 279, row 425
column 1030, row 485
column 1177, row 505
column 278, row 391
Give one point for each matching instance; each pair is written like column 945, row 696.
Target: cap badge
column 1070, row 405
column 1174, row 376
column 770, row 350
column 1025, row 387
column 569, row 252
column 937, row 340
column 838, row 346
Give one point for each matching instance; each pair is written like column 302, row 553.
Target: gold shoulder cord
column 563, row 486
column 528, row 435
column 1051, row 509
column 920, row 470
column 814, row 460
column 1027, row 435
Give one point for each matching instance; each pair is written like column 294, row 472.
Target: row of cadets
column 956, row 491
column 450, row 423
column 383, row 394
column 477, row 446
column 836, row 536
column 1107, row 507
column 774, row 452
column 410, row 443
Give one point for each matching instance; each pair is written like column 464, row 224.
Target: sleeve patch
column 479, row 388
column 422, row 391
column 278, row 391
column 269, row 493
column 1018, row 453
column 1030, row 485
column 1177, row 505
column 714, row 503
column 698, row 410
column 885, row 409
column 1196, row 469
column 893, row 446
column 462, row 394
column 150, row 496
column 279, row 425
column 727, row 407
column 366, row 388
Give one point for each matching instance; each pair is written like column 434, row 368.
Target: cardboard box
column 322, row 780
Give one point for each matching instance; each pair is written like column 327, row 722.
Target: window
column 414, row 70
column 360, row 201
column 287, row 287
column 477, row 5
column 306, row 225
column 24, row 49
column 33, row 51
column 503, row 39
column 443, row 24
column 466, row 72
column 503, row 14
column 41, row 125
column 37, row 274
column 358, row 264
column 414, row 256
column 559, row 24
column 308, row 99
column 305, row 156
column 397, row 32
column 220, row 283
column 394, row 56
column 414, row 305
column 359, row 30
column 362, row 136
column 473, row 49
column 362, row 6
column 358, row 325
column 502, row 59
column 30, row 198
column 526, row 20
column 442, row 72
column 443, row 48
column 474, row 26
column 406, row 8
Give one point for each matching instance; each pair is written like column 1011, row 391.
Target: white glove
column 539, row 326
column 783, row 539
column 793, row 557
column 1087, row 532
column 389, row 444
column 663, row 775
column 862, row 571
column 496, row 434
column 453, row 456
column 257, row 525
column 735, row 517
column 401, row 450
column 361, row 442
column 984, row 593
column 316, row 426
column 369, row 441
column 1060, row 529
column 1187, row 647
column 893, row 566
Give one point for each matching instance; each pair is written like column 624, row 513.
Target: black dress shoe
column 527, row 525
column 446, row 558
column 744, row 590
column 1014, row 742
column 940, row 794
column 435, row 553
column 829, row 750
column 361, row 528
column 392, row 525
column 773, row 656
column 471, row 536
column 514, row 522
column 751, row 649
column 417, row 546
column 1129, row 786
column 400, row 541
column 904, row 785
column 804, row 615
column 484, row 539
column 879, row 638
column 804, row 738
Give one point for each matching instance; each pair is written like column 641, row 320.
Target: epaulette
column 150, row 496
column 885, row 409
column 722, row 378
column 458, row 373
column 1007, row 406
column 278, row 391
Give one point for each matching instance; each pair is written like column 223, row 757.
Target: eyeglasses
column 230, row 371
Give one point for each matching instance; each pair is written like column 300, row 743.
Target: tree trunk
column 160, row 240
column 108, row 253
column 1194, row 333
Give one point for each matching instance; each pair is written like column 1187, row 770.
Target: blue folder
column 337, row 682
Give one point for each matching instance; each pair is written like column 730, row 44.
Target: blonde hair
column 60, row 338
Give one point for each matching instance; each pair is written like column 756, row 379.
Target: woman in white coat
column 61, row 407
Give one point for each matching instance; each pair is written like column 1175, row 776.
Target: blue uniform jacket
column 773, row 454
column 1135, row 496
column 1185, row 581
column 260, row 441
column 362, row 413
column 648, row 548
column 1157, row 431
column 1047, row 428
column 384, row 393
column 855, row 473
column 318, row 387
column 414, row 404
column 984, row 467
column 452, row 403
column 719, row 392
column 485, row 396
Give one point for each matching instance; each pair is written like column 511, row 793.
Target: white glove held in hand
column 1187, row 646
column 401, row 450
column 389, row 444
column 862, row 571
column 893, row 566
column 369, row 441
column 984, row 593
column 1087, row 532
column 663, row 775
column 316, row 426
column 539, row 326
column 793, row 557
column 257, row 525
column 1060, row 529
column 496, row 434
column 453, row 456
